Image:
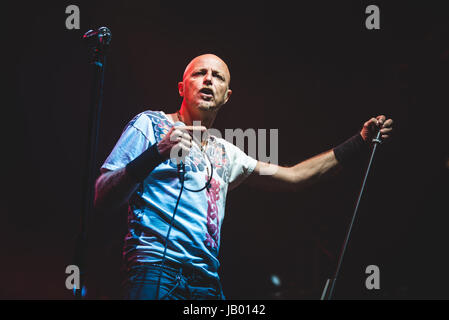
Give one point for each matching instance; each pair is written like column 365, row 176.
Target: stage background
column 311, row 70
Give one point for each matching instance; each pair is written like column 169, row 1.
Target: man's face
column 205, row 83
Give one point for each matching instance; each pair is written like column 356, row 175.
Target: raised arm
column 277, row 178
column 296, row 177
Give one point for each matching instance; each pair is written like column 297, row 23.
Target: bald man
column 176, row 208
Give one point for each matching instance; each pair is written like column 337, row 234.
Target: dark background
column 311, row 70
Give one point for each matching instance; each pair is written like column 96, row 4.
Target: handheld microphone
column 181, row 165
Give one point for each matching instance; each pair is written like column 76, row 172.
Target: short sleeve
column 241, row 165
column 135, row 139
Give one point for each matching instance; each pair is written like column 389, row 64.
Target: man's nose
column 208, row 78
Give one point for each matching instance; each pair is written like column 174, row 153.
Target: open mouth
column 207, row 93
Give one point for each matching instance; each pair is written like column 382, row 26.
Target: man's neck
column 207, row 118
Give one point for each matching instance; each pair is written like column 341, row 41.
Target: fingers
column 381, row 120
column 191, row 128
column 388, row 123
column 179, row 135
column 386, row 126
column 179, row 152
column 384, row 123
column 185, row 143
column 182, row 141
column 189, row 133
column 386, row 130
column 377, row 122
column 372, row 124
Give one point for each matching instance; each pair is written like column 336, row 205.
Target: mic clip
column 378, row 138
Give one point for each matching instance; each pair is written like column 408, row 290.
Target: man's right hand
column 177, row 142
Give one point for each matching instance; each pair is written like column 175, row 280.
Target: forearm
column 309, row 171
column 271, row 177
column 330, row 162
column 314, row 169
column 113, row 189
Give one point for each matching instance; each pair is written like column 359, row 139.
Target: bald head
column 208, row 60
column 205, row 83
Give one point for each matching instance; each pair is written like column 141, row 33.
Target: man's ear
column 228, row 95
column 181, row 89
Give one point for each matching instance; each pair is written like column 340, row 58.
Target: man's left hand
column 370, row 128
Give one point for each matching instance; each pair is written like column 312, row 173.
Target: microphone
column 98, row 38
column 181, row 165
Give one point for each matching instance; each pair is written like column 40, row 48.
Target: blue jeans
column 175, row 284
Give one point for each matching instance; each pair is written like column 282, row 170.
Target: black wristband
column 351, row 149
column 142, row 166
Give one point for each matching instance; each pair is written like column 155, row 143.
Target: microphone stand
column 324, row 296
column 98, row 42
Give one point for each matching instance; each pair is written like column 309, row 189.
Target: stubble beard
column 208, row 106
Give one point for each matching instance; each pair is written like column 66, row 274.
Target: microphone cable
column 181, row 172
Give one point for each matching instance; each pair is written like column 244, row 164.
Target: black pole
column 98, row 41
column 376, row 141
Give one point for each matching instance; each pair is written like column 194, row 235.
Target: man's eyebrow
column 199, row 69
column 221, row 74
column 213, row 71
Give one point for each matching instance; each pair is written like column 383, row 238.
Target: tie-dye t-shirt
column 195, row 236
